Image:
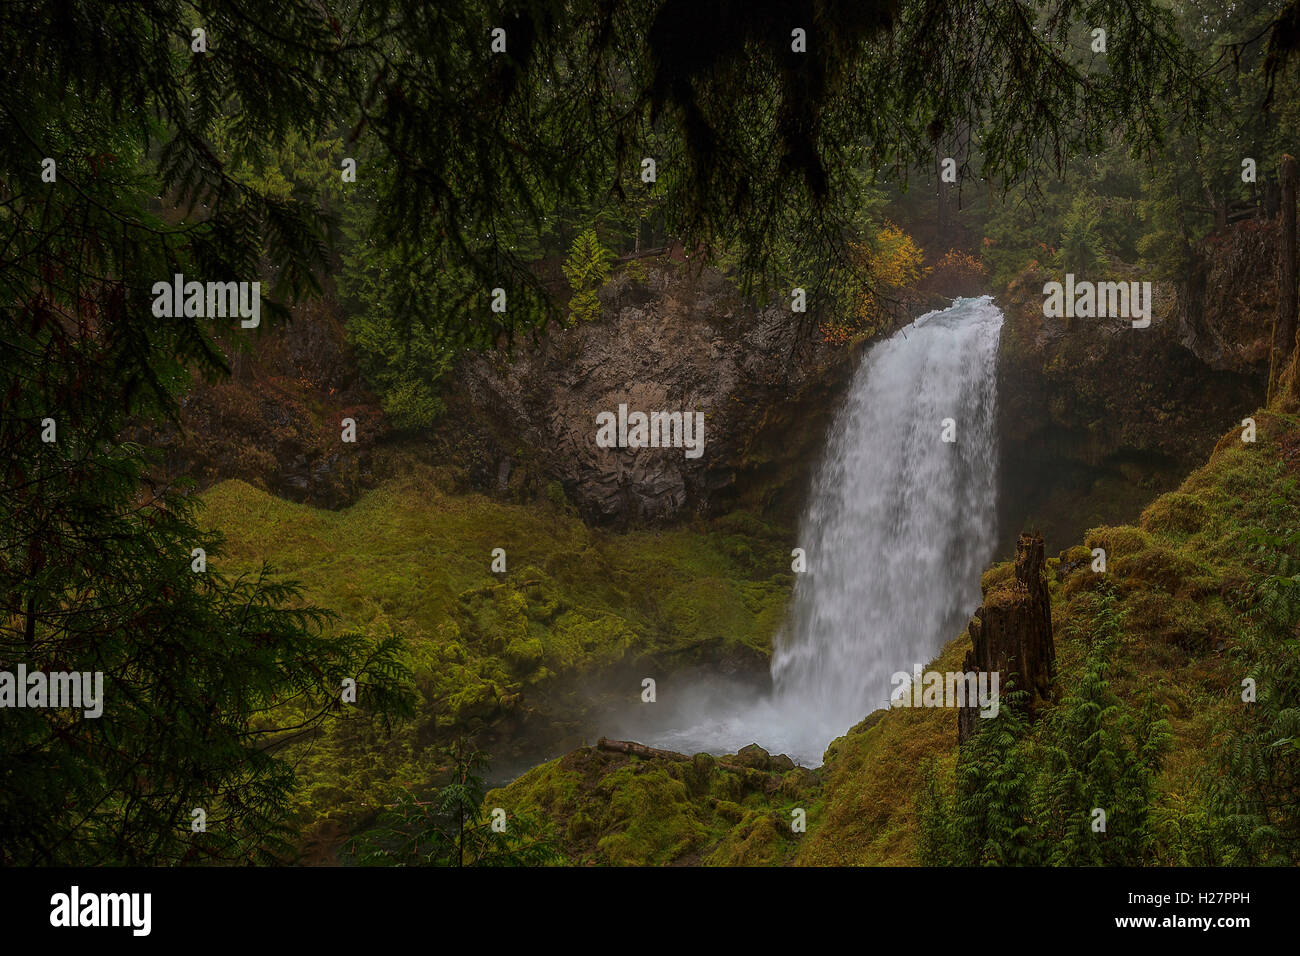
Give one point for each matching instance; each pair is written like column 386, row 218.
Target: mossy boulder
column 699, row 773
column 610, row 807
column 1176, row 514
column 752, row 756
column 1117, row 540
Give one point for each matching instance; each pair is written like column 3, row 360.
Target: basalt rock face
column 681, row 341
column 1097, row 417
column 1011, row 634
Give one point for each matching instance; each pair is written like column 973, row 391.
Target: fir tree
column 587, row 269
column 451, row 829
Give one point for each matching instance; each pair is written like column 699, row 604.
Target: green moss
column 1180, row 579
column 550, row 790
column 1176, row 514
column 650, row 818
column 411, row 559
column 997, row 576
column 1159, row 566
column 699, row 773
column 758, row 839
column 613, row 809
column 1116, row 541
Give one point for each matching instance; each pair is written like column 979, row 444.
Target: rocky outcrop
column 1096, row 417
column 756, row 758
column 1011, row 635
column 522, row 422
column 680, row 341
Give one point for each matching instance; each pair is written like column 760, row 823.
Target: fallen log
column 637, row 750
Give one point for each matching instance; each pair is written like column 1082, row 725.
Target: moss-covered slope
column 616, row 809
column 492, row 652
column 1182, row 583
column 1181, row 577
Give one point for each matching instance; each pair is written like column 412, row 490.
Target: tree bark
column 1285, row 343
column 1011, row 634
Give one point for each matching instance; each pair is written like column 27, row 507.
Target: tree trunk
column 1218, row 207
column 1285, row 342
column 1011, row 634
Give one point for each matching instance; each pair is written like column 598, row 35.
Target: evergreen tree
column 205, row 676
column 393, row 305
column 450, row 829
column 587, row 269
column 1081, row 248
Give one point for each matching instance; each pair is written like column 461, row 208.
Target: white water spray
column 899, row 526
column 900, row 523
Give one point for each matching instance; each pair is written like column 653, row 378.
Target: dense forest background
column 415, row 191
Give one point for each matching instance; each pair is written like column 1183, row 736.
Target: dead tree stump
column 1011, row 634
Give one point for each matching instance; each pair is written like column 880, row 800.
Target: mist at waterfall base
column 899, row 526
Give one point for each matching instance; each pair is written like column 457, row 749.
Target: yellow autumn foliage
column 890, row 261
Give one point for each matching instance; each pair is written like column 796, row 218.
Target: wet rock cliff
column 1098, row 417
column 680, row 341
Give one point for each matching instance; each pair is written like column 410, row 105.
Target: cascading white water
column 899, row 526
column 900, row 523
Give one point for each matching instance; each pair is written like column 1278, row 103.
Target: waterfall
column 900, row 523
column 898, row 528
